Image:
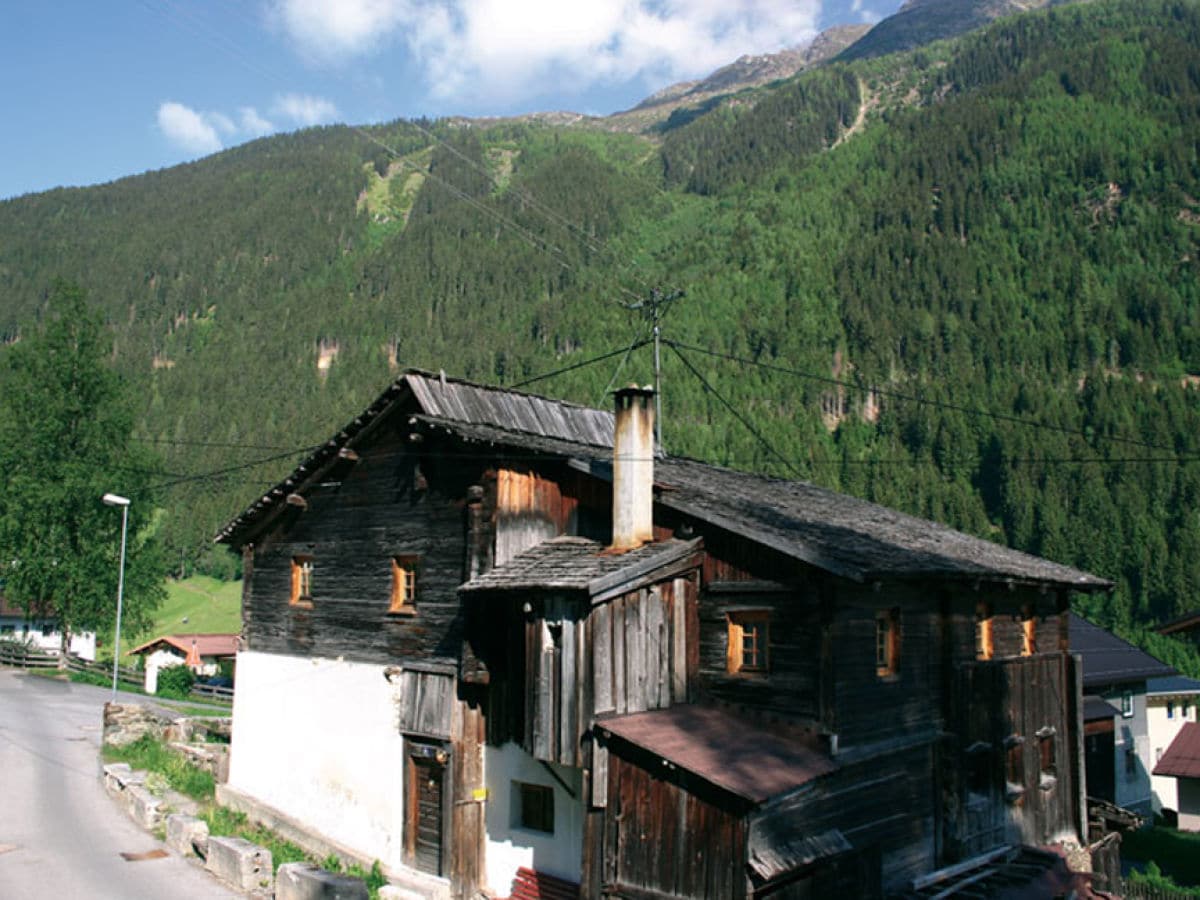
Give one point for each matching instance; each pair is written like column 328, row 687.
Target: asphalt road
column 61, row 835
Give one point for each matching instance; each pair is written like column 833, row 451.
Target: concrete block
column 304, row 881
column 187, row 835
column 395, row 892
column 144, row 808
column 115, row 777
column 240, row 863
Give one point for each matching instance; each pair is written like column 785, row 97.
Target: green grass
column 155, row 756
column 1176, row 852
column 209, row 606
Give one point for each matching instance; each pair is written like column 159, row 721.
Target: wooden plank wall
column 792, row 686
column 884, row 802
column 629, row 654
column 1018, row 703
column 468, row 831
column 663, row 840
column 396, row 500
column 425, row 702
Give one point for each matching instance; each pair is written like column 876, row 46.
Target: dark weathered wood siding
column 661, row 839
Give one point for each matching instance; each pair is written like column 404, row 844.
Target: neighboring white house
column 1181, row 763
column 1118, row 752
column 202, row 653
column 42, row 631
column 1170, row 704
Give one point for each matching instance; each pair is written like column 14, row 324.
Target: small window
column 984, row 645
column 404, row 584
column 534, row 807
column 749, row 641
column 1170, row 709
column 887, row 643
column 302, row 574
column 1028, row 631
column 1127, row 704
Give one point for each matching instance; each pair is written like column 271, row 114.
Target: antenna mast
column 653, row 308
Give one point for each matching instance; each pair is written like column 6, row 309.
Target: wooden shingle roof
column 577, row 564
column 838, row 533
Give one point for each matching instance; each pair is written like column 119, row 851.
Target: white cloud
column 304, row 109
column 498, row 49
column 254, row 124
column 188, row 129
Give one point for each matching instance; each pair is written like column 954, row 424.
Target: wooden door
column 424, row 825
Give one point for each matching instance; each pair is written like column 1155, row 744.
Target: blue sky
column 94, row 91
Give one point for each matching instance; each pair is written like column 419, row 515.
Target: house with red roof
column 1182, row 762
column 202, row 653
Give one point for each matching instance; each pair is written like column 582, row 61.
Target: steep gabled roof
column 840, row 534
column 1108, row 659
column 1182, row 759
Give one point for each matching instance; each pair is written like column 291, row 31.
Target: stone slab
column 187, row 835
column 304, row 881
column 240, row 863
column 144, row 808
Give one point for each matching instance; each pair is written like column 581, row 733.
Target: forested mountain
column 962, row 280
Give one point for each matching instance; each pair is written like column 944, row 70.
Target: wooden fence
column 20, row 656
column 125, row 674
column 1146, row 892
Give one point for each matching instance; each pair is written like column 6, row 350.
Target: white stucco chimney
column 633, row 468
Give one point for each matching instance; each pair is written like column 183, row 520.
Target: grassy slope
column 210, row 606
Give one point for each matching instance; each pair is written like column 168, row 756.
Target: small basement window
column 302, row 574
column 887, row 642
column 533, row 807
column 749, row 641
column 404, row 584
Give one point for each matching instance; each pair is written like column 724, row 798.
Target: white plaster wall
column 1132, row 790
column 318, row 740
column 1162, row 732
column 159, row 659
column 82, row 645
column 510, row 847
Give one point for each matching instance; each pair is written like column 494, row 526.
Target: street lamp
column 123, row 502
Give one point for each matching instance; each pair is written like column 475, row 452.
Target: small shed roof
column 1096, row 708
column 1108, row 659
column 577, row 564
column 213, row 645
column 1172, row 686
column 726, row 750
column 1182, row 759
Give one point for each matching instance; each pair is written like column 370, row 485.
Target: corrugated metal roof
column 836, row 532
column 1108, row 659
column 1182, row 759
column 729, row 751
column 577, row 564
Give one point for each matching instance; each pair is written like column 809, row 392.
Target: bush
column 175, row 682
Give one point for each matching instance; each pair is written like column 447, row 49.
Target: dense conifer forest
column 963, row 281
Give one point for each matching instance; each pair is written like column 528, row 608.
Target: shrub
column 175, row 682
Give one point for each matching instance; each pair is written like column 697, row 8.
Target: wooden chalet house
column 487, row 630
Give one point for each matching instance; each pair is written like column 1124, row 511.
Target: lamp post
column 123, row 502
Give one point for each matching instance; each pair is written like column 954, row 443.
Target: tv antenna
column 653, row 308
